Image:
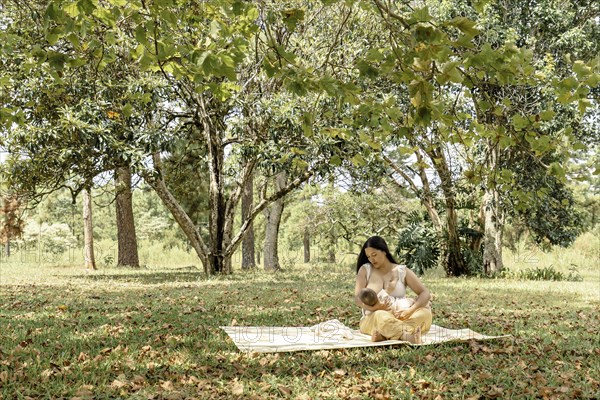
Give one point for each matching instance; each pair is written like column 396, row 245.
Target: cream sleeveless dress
column 400, row 302
column 386, row 323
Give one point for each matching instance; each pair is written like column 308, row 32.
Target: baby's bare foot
column 377, row 337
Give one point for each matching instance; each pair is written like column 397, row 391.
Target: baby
column 371, row 298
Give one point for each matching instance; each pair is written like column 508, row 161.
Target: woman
column 375, row 269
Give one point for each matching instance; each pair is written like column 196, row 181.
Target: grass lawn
column 153, row 334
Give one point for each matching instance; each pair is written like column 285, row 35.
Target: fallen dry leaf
column 84, row 393
column 495, row 392
column 339, row 373
column 237, row 389
column 285, row 390
column 118, row 384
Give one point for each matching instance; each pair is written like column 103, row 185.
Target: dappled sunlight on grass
column 154, row 333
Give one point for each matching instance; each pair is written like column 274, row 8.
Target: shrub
column 418, row 247
column 544, row 274
column 54, row 239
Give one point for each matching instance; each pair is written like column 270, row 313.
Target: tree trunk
column 248, row 257
column 88, row 231
column 331, row 250
column 493, row 221
column 216, row 200
column 126, row 236
column 183, row 220
column 423, row 191
column 212, row 261
column 493, row 229
column 454, row 265
column 306, row 242
column 12, row 226
column 427, row 196
column 273, row 219
column 4, row 230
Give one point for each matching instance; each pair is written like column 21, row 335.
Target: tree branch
column 262, row 205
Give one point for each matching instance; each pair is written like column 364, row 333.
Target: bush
column 473, row 261
column 418, row 247
column 544, row 274
column 54, row 239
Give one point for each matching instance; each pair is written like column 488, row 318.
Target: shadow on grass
column 147, row 278
column 257, row 276
column 171, row 333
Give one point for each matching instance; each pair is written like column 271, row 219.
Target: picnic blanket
column 330, row 334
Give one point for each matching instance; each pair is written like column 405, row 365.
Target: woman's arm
column 423, row 295
column 361, row 283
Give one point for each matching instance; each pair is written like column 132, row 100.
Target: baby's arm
column 385, row 298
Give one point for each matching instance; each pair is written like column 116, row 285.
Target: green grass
column 153, row 334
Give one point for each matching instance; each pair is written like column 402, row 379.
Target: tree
column 11, row 222
column 251, row 122
column 235, row 88
column 439, row 66
column 543, row 27
column 76, row 128
column 88, row 231
column 273, row 215
column 89, row 134
column 248, row 256
column 127, row 241
column 337, row 218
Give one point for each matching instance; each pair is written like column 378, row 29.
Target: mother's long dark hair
column 375, row 242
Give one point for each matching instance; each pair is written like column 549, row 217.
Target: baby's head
column 368, row 296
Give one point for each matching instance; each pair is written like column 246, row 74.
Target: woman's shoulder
column 366, row 267
column 401, row 268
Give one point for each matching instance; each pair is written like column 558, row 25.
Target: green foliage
column 337, row 220
column 153, row 221
column 108, row 260
column 49, row 239
column 473, row 260
column 548, row 273
column 418, row 244
column 546, row 205
column 88, row 86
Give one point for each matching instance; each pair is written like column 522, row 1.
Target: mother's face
column 376, row 257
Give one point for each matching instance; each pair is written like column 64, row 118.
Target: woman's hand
column 404, row 314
